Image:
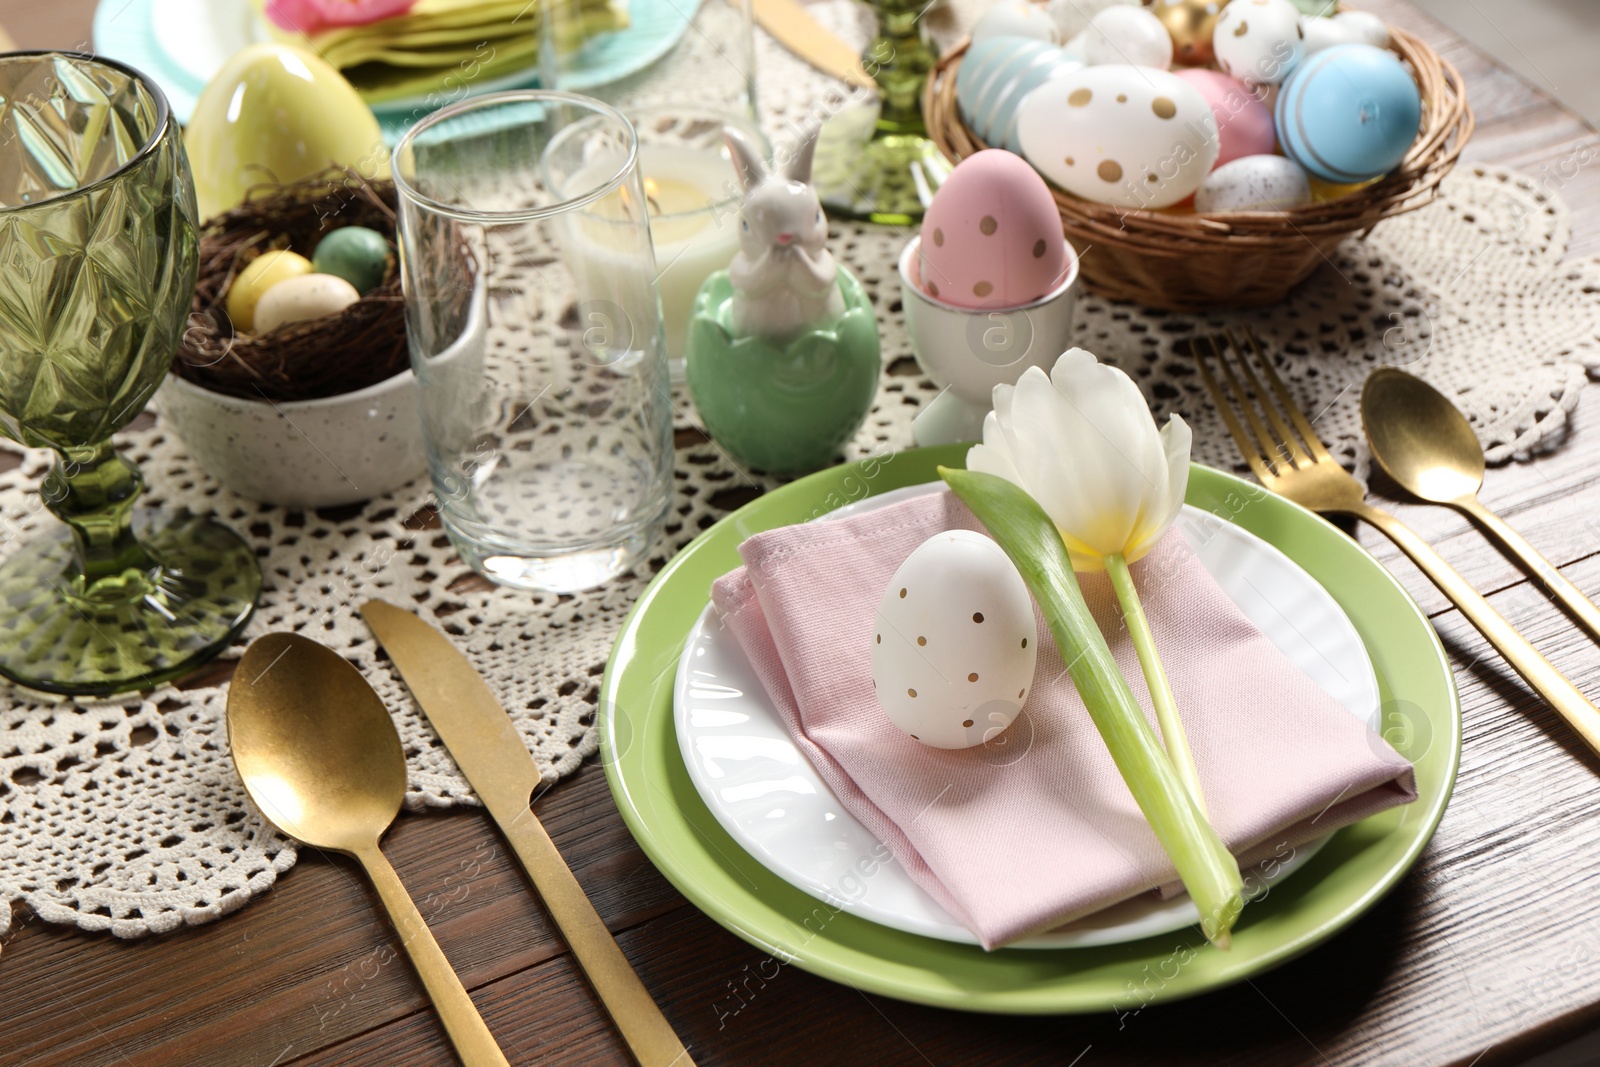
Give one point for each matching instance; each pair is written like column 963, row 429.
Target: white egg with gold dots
column 1258, row 41
column 954, row 642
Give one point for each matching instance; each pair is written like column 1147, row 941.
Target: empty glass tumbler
column 535, row 334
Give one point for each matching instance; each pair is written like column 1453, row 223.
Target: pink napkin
column 1036, row 828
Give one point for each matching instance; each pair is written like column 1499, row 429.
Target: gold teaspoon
column 1428, row 447
column 320, row 757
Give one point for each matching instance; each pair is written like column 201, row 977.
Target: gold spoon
column 320, row 757
column 1428, row 447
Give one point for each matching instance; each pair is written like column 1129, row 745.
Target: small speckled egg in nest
column 954, row 642
column 992, row 237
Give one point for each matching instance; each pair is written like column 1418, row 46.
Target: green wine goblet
column 887, row 172
column 98, row 253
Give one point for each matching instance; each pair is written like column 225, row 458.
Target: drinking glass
column 99, row 254
column 535, row 334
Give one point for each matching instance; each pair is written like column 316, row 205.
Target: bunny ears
column 752, row 169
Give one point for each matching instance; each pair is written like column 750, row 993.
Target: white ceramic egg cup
column 969, row 351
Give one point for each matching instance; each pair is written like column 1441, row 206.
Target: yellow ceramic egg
column 274, row 112
column 252, row 283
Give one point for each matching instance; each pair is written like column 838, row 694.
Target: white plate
column 766, row 794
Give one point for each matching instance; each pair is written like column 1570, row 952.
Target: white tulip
column 1082, row 442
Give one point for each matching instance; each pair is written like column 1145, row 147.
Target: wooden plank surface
column 1484, row 955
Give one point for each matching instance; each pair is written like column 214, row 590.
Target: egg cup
column 969, row 351
column 783, row 408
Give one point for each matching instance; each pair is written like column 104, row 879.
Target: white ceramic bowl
column 302, row 453
column 969, row 351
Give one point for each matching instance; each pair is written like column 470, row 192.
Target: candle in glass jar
column 693, row 202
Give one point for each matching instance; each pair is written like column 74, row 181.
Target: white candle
column 694, row 227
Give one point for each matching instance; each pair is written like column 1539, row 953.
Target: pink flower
column 314, row 16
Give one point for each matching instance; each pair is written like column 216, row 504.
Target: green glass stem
column 93, row 490
column 900, row 63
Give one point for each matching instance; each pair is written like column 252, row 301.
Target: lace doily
column 127, row 816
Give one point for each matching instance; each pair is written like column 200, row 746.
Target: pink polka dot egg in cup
column 988, row 289
column 954, row 642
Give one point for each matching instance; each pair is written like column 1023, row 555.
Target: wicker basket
column 360, row 346
column 1189, row 262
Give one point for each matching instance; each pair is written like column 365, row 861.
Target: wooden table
column 1483, row 955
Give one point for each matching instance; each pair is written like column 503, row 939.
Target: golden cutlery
column 798, row 31
column 320, row 757
column 1429, row 449
column 1295, row 464
column 490, row 752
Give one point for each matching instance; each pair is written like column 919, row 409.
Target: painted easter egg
column 1244, row 122
column 1347, row 27
column 358, row 255
column 1122, row 135
column 1258, row 41
column 1349, row 113
column 992, row 236
column 1072, row 16
column 1190, row 22
column 252, row 283
column 995, row 76
column 1016, row 18
column 1254, row 183
column 304, row 297
column 954, row 642
column 1128, row 35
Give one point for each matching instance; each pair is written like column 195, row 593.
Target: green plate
column 1421, row 716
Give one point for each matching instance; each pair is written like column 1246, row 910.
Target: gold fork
column 1294, row 464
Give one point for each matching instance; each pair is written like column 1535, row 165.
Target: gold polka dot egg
column 1134, row 137
column 992, row 236
column 954, row 642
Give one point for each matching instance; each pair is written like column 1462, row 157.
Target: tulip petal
column 1176, row 441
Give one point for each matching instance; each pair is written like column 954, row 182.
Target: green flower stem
column 1155, row 678
column 1025, row 532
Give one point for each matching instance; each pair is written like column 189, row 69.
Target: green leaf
column 1020, row 527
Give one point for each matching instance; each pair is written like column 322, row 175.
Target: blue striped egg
column 1349, row 113
column 994, row 76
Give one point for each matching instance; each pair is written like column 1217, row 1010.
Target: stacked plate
column 721, row 800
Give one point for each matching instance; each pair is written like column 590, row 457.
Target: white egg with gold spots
column 1130, row 136
column 1258, row 41
column 954, row 642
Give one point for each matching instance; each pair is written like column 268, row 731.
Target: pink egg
column 1243, row 121
column 992, row 236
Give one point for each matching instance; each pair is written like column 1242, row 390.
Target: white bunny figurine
column 784, row 278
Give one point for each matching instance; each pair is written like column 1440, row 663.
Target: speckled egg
column 1128, row 35
column 1072, row 16
column 1016, row 18
column 358, row 255
column 1254, row 183
column 1258, row 41
column 992, row 236
column 1244, row 122
column 1347, row 27
column 996, row 74
column 1122, row 135
column 1349, row 113
column 954, row 642
column 258, row 276
column 306, row 296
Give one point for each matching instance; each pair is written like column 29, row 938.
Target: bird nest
column 360, row 346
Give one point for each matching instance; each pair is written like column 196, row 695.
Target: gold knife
column 796, row 29
column 490, row 752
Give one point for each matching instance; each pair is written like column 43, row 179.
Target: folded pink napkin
column 1036, row 828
